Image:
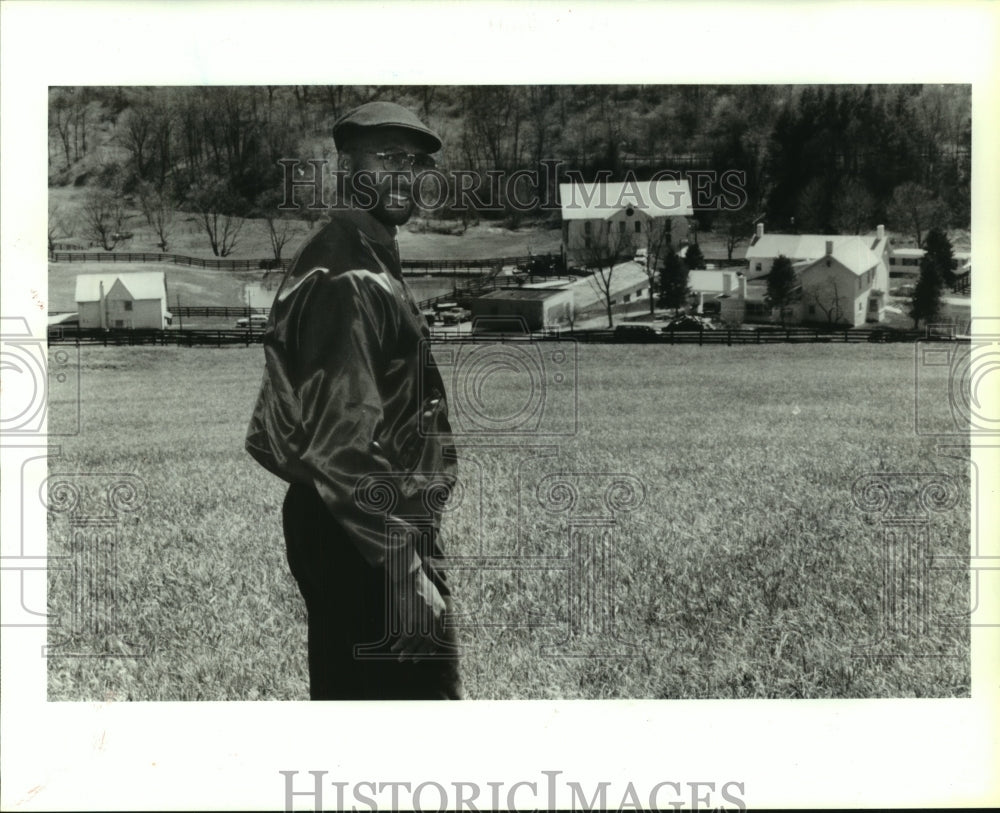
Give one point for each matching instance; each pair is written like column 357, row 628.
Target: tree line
column 822, row 159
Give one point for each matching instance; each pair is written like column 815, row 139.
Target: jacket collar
column 373, row 228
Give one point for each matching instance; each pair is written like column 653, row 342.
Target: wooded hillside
column 817, row 158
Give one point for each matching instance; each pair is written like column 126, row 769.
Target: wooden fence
column 248, row 336
column 444, row 267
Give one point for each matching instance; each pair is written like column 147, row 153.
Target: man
column 352, row 413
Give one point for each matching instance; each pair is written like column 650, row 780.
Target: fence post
column 701, row 336
column 729, row 338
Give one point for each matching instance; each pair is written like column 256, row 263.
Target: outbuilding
column 127, row 301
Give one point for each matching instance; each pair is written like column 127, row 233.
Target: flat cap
column 382, row 114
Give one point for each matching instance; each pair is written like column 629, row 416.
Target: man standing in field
column 352, row 409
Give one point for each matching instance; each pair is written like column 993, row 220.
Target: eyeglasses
column 399, row 161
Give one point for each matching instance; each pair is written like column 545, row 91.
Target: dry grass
column 747, row 571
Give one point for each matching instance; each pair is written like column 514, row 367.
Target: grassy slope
column 747, row 572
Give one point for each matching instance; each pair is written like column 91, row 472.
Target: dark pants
column 348, row 607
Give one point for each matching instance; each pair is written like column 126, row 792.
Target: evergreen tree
column 925, row 302
column 938, row 253
column 693, row 258
column 673, row 287
column 782, row 285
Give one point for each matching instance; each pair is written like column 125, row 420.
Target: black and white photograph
column 638, row 363
column 631, row 396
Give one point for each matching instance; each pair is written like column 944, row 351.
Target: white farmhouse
column 844, row 279
column 136, row 300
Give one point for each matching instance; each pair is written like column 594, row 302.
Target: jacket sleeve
column 337, row 333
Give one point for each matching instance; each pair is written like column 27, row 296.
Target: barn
column 135, row 301
column 621, row 218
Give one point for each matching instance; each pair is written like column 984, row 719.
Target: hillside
column 823, row 158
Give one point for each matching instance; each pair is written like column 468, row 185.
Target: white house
column 136, row 300
column 620, row 218
column 843, row 279
column 905, row 262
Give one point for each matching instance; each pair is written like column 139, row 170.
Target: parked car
column 641, row 255
column 455, row 316
column 888, row 334
column 636, row 332
column 64, row 320
column 688, row 322
column 254, row 320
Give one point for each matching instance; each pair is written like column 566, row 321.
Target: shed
column 136, row 300
column 537, row 307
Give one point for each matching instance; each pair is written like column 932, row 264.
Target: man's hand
column 420, row 611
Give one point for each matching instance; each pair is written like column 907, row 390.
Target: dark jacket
column 350, row 388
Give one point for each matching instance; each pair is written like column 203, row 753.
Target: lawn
column 746, row 571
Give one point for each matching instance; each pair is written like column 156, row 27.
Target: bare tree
column 135, row 134
column 280, row 227
column 826, row 297
column 915, row 209
column 159, row 208
column 217, row 209
column 104, row 219
column 60, row 120
column 659, row 244
column 605, row 249
column 734, row 227
column 58, row 225
column 853, row 207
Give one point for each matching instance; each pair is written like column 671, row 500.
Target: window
column 873, row 305
column 627, row 298
column 614, row 301
column 860, row 306
column 119, row 323
column 586, row 239
column 759, row 267
column 639, row 292
column 128, row 305
column 812, row 310
column 621, row 227
column 638, row 227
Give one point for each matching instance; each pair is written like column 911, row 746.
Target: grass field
column 746, row 572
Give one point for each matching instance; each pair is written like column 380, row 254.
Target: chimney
column 727, row 283
column 880, row 232
column 760, row 230
column 829, row 248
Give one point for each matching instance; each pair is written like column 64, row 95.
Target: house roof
column 522, row 293
column 141, row 285
column 590, row 201
column 856, row 253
